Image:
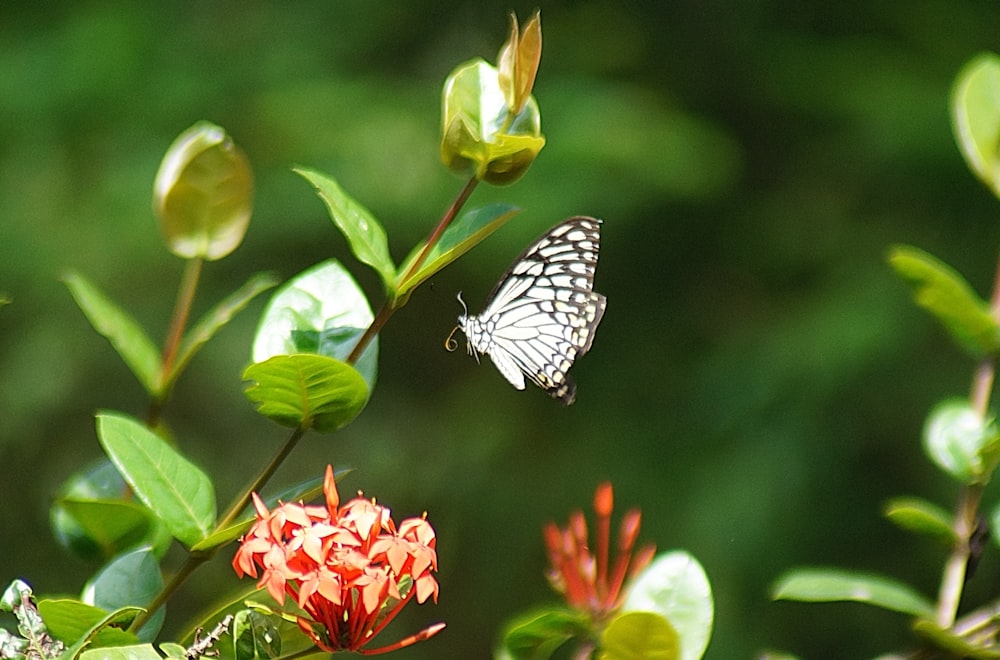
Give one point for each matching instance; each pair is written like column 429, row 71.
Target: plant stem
column 181, row 576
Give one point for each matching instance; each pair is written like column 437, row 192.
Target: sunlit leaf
column 921, row 516
column 676, row 587
column 362, row 230
column 203, row 195
column 135, row 652
column 517, row 63
column 467, row 231
column 537, row 635
column 961, row 442
column 321, row 310
column 640, row 635
column 119, row 328
column 945, row 294
column 130, row 580
column 306, row 391
column 215, row 320
column 975, row 116
column 179, row 493
column 78, row 623
column 829, row 585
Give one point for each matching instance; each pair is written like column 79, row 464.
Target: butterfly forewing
column 543, row 312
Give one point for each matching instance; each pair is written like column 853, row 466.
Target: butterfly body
column 543, row 313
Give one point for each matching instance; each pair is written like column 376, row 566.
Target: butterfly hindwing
column 543, row 312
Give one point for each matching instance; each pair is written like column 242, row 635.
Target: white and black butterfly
column 543, row 313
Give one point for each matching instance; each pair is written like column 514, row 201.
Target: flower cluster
column 586, row 579
column 349, row 568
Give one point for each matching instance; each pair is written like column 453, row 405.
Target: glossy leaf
column 945, row 294
column 111, row 524
column 363, row 232
column 215, row 320
column 173, row 488
column 323, row 311
column 975, row 116
column 479, row 135
column 203, row 194
column 467, row 231
column 829, row 585
column 961, row 442
column 135, row 652
column 537, row 635
column 80, row 624
column 132, row 579
column 306, row 391
column 119, row 328
column 640, row 635
column 921, row 516
column 255, row 637
column 676, row 587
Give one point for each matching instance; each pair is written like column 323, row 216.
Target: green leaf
column 537, row 635
column 467, row 231
column 215, row 320
column 921, row 516
column 306, row 391
column 203, row 194
column 956, row 645
column 130, row 580
column 639, row 635
column 80, row 624
column 323, row 311
column 676, row 587
column 829, row 585
column 945, row 294
column 173, row 651
column 136, row 652
column 173, row 488
column 975, row 116
column 112, row 524
column 255, row 636
column 961, row 442
column 362, row 230
column 119, row 328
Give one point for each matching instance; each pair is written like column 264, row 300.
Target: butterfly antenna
column 450, row 343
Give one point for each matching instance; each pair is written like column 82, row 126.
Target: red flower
column 349, row 568
column 589, row 582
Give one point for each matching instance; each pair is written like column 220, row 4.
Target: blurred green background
column 759, row 381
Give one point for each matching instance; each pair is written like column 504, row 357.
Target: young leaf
column 216, row 319
column 362, row 230
column 467, row 231
column 132, row 579
column 829, row 585
column 945, row 294
column 539, row 634
column 321, row 310
column 675, row 587
column 961, row 442
column 921, row 516
column 119, row 328
column 975, row 116
column 306, row 391
column 639, row 635
column 173, row 488
column 80, row 624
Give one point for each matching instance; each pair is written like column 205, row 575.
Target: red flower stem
column 391, row 306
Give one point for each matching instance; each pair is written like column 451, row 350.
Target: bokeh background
column 760, row 379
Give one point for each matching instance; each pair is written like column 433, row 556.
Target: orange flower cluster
column 582, row 576
column 350, row 569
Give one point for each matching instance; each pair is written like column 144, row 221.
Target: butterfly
column 543, row 313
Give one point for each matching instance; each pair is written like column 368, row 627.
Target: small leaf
column 132, row 579
column 173, row 651
column 173, row 488
column 829, row 585
column 321, row 310
column 255, row 637
column 362, row 230
column 945, row 294
column 975, row 116
column 537, row 635
column 467, row 231
column 203, row 195
column 676, row 587
column 78, row 623
column 119, row 328
column 955, row 645
column 921, row 516
column 215, row 320
column 306, row 391
column 639, row 635
column 961, row 442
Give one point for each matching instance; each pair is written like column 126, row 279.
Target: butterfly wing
column 543, row 312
